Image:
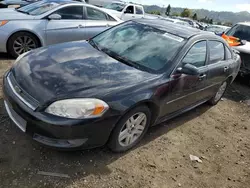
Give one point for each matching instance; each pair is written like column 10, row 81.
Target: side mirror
column 188, row 69
column 55, row 17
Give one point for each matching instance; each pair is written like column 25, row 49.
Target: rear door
column 70, row 27
column 139, row 12
column 97, row 21
column 219, row 64
column 186, row 90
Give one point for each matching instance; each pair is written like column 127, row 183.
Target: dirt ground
column 219, row 135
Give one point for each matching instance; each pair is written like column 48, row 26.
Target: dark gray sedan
column 111, row 88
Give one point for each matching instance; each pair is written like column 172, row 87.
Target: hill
column 202, row 13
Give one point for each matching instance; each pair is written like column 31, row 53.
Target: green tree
column 156, row 12
column 211, row 21
column 175, row 14
column 168, row 10
column 195, row 16
column 186, row 13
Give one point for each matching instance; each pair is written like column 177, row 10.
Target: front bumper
column 56, row 131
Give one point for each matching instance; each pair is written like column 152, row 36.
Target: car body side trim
column 191, row 93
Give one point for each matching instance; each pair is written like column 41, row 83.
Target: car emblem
column 17, row 89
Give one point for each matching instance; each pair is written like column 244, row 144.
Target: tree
column 195, row 16
column 175, row 14
column 211, row 21
column 168, row 10
column 156, row 12
column 186, row 13
column 229, row 24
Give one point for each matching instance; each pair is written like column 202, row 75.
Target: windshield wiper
column 120, row 58
column 22, row 11
column 93, row 43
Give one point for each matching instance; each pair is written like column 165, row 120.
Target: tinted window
column 71, row 13
column 143, row 46
column 94, row 14
column 138, row 10
column 240, row 31
column 130, row 10
column 228, row 53
column 216, row 51
column 197, row 55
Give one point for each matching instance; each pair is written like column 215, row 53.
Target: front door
column 186, row 90
column 71, row 26
column 129, row 13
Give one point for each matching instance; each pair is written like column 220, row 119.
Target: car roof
column 179, row 30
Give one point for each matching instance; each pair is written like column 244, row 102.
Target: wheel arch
column 27, row 31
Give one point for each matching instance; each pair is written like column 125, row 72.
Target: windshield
column 38, row 8
column 140, row 45
column 115, row 6
column 240, row 31
column 215, row 29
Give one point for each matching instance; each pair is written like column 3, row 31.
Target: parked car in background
column 242, row 31
column 176, row 21
column 190, row 22
column 217, row 29
column 50, row 22
column 111, row 88
column 125, row 11
column 20, row 3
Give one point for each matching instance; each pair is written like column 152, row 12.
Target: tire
column 116, row 143
column 30, row 42
column 219, row 94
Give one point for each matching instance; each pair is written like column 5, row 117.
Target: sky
column 216, row 5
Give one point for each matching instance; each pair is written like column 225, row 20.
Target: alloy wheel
column 132, row 129
column 23, row 44
column 221, row 91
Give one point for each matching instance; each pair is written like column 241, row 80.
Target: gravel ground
column 219, row 136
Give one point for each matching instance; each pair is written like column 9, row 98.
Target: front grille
column 245, row 58
column 20, row 93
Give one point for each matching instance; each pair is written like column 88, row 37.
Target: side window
column 71, row 13
column 217, row 52
column 110, row 18
column 130, row 10
column 138, row 10
column 197, row 54
column 228, row 53
column 94, row 14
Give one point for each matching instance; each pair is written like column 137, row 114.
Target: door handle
column 133, row 16
column 80, row 26
column 202, row 76
column 107, row 25
column 226, row 69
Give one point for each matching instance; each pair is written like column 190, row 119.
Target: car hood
column 243, row 48
column 74, row 69
column 12, row 14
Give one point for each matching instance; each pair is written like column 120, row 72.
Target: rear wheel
column 219, row 94
column 21, row 42
column 130, row 129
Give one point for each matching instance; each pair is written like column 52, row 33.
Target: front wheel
column 219, row 94
column 21, row 42
column 130, row 129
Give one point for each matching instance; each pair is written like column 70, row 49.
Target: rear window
column 240, row 31
column 217, row 52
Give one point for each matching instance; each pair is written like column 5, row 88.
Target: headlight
column 78, row 108
column 3, row 22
